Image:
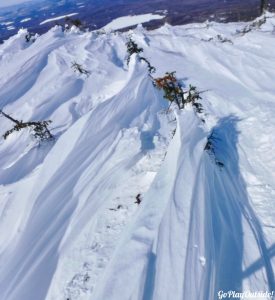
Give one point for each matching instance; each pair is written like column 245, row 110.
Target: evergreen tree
column 264, row 5
column 132, row 48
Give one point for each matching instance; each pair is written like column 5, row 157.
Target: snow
column 57, row 18
column 7, row 23
column 10, row 28
column 25, row 20
column 127, row 21
column 70, row 224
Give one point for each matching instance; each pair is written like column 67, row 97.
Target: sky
column 4, row 3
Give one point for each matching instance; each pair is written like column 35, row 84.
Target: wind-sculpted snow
column 71, row 222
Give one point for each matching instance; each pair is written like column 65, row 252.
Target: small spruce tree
column 132, row 48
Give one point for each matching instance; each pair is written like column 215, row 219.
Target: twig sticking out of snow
column 78, row 68
column 39, row 128
column 138, row 199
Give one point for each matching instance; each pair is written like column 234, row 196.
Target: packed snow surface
column 128, row 21
column 71, row 223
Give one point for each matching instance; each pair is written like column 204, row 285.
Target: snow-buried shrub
column 218, row 38
column 39, row 128
column 210, row 149
column 31, row 37
column 79, row 69
column 256, row 24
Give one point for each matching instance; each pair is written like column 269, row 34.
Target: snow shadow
column 258, row 264
column 150, row 277
column 147, row 141
column 229, row 216
column 26, row 164
column 117, row 61
column 224, row 232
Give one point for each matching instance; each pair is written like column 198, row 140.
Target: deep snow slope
column 70, row 227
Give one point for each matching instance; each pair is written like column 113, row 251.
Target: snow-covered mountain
column 71, row 226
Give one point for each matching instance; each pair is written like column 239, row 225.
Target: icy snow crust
column 69, row 225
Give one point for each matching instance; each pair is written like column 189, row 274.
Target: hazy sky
column 4, row 3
